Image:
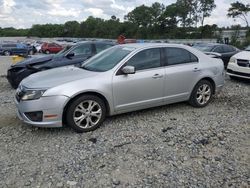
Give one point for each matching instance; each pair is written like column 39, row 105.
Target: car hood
column 243, row 55
column 55, row 77
column 34, row 60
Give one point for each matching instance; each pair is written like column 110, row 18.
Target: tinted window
column 218, row 49
column 203, row 47
column 179, row 56
column 146, row 59
column 228, row 49
column 52, row 45
column 9, row 45
column 100, row 47
column 84, row 49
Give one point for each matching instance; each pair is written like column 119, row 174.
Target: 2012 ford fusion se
column 120, row 79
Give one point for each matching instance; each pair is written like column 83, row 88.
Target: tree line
column 182, row 19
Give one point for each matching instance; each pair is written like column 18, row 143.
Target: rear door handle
column 157, row 76
column 196, row 69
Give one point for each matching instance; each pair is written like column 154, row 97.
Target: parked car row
column 12, row 48
column 16, row 49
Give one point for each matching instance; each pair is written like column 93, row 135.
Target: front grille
column 243, row 63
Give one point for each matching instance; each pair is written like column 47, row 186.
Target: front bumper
column 15, row 77
column 235, row 70
column 52, row 108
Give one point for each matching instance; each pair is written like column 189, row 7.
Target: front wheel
column 47, row 52
column 7, row 53
column 31, row 52
column 201, row 94
column 86, row 113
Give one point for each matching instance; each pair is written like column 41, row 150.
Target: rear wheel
column 201, row 94
column 86, row 113
column 47, row 52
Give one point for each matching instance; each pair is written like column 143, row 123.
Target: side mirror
column 69, row 55
column 128, row 70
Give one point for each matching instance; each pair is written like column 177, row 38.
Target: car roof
column 95, row 42
column 210, row 44
column 149, row 45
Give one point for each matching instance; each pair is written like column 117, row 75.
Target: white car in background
column 239, row 65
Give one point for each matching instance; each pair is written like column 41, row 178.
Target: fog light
column 34, row 116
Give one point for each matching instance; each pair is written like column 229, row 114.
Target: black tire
column 31, row 52
column 47, row 51
column 205, row 98
column 73, row 112
column 7, row 53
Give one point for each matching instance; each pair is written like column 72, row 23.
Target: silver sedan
column 120, row 79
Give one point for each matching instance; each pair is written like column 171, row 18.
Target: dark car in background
column 73, row 55
column 16, row 49
column 247, row 48
column 225, row 51
column 49, row 48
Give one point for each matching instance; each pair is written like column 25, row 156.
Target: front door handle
column 157, row 76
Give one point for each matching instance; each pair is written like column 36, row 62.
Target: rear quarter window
column 176, row 56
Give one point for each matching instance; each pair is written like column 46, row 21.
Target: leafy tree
column 239, row 10
column 205, row 7
column 141, row 16
column 157, row 10
column 168, row 21
column 71, row 29
column 185, row 11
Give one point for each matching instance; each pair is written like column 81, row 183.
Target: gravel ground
column 170, row 146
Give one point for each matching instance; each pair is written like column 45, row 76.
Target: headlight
column 32, row 94
column 232, row 60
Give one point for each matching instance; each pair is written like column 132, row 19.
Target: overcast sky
column 24, row 13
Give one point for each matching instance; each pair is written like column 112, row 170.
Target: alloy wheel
column 87, row 114
column 7, row 53
column 203, row 94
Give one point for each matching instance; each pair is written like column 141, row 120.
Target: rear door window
column 176, row 56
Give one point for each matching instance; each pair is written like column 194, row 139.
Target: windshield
column 107, row 59
column 63, row 51
column 204, row 48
